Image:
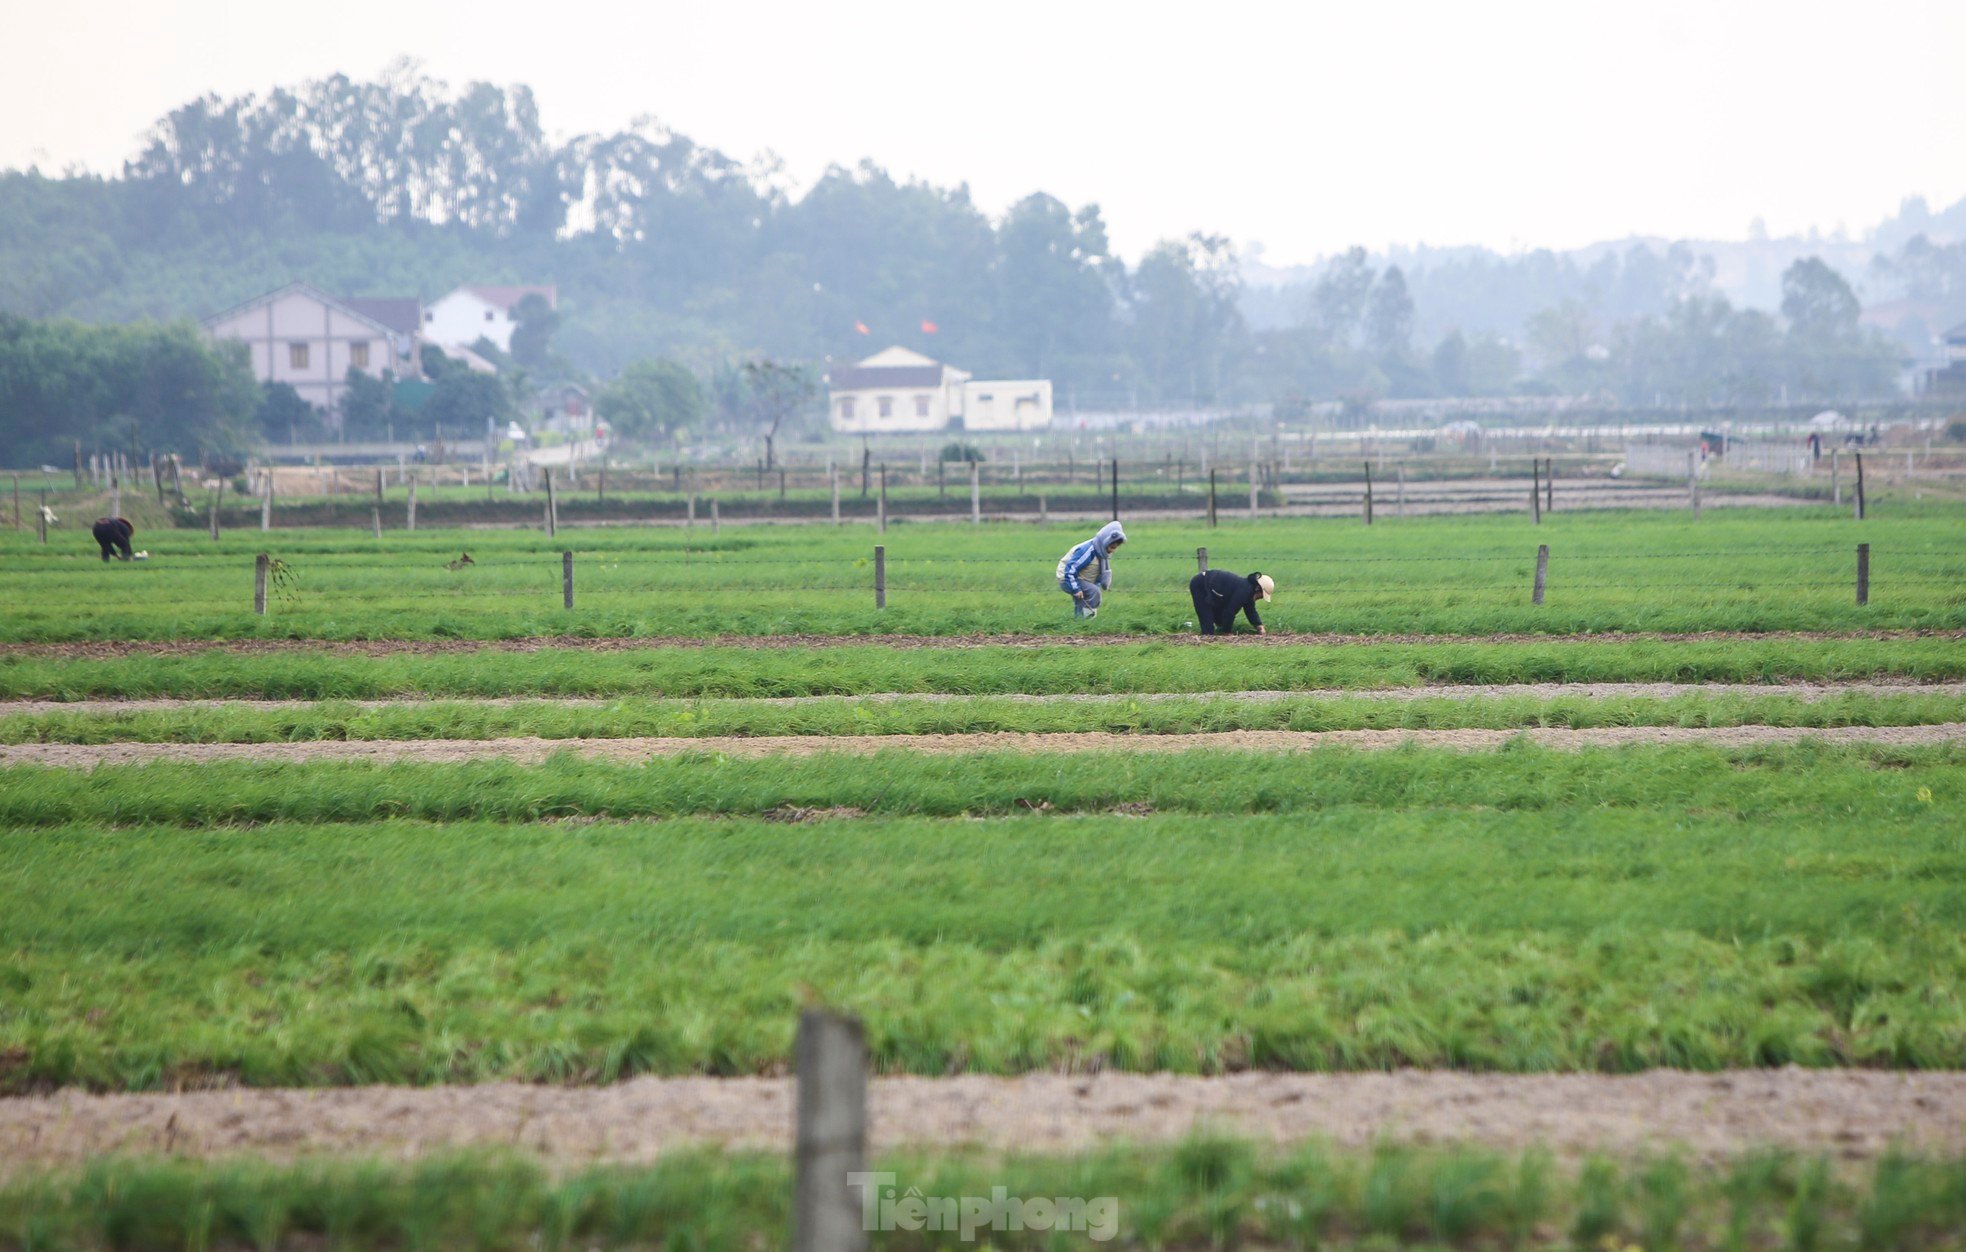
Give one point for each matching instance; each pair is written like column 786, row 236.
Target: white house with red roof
column 472, row 313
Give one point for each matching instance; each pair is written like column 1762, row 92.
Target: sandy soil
column 89, row 756
column 1851, row 1113
column 109, row 649
column 1806, row 692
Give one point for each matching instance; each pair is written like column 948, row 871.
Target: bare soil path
column 525, row 750
column 1853, row 1114
column 110, row 649
column 1807, row 692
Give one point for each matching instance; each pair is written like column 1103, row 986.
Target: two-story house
column 301, row 336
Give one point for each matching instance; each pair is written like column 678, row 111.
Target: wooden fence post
column 881, row 520
column 1542, row 572
column 260, row 563
column 1211, row 499
column 216, row 497
column 1399, row 505
column 552, row 506
column 1116, row 489
column 1693, row 483
column 566, row 577
column 941, row 478
column 1860, row 486
column 830, row 1058
column 1536, row 489
column 1549, row 484
column 1201, row 560
column 409, row 519
column 375, row 520
column 880, row 576
column 1836, row 477
column 1368, row 493
column 716, row 517
column 975, row 493
column 1863, row 573
column 41, row 517
column 833, row 473
column 1253, row 489
column 692, row 511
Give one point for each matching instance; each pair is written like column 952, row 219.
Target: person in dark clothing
column 113, row 535
column 1220, row 595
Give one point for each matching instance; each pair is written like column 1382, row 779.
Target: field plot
column 1794, row 570
column 1778, row 881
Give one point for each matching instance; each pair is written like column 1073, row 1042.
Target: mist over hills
column 661, row 247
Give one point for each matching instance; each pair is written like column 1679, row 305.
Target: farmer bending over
column 113, row 535
column 1220, row 595
column 1087, row 569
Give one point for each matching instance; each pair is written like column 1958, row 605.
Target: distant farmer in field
column 1220, row 595
column 113, row 536
column 1087, row 570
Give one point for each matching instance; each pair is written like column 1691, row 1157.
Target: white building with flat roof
column 896, row 391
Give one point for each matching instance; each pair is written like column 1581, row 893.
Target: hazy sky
column 1305, row 127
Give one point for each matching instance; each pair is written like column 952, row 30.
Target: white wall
column 1007, row 404
column 904, row 409
column 463, row 317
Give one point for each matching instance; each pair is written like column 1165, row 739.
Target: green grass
column 1526, row 910
column 1116, row 668
column 962, row 715
column 1204, row 1193
column 1791, row 569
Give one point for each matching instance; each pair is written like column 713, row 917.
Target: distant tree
column 532, row 336
column 1817, row 302
column 464, row 399
column 130, row 387
column 282, row 416
column 1389, row 316
column 777, row 392
column 1186, row 323
column 652, row 399
column 368, row 405
column 1338, row 302
column 436, row 363
column 1450, row 363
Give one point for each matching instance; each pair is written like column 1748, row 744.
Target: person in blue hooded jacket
column 1087, row 570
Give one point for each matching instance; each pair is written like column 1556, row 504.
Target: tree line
column 665, row 250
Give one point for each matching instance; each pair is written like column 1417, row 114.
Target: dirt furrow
column 1850, row 1113
column 1807, row 692
column 108, row 649
column 527, row 749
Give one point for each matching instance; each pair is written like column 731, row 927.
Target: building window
column 297, row 355
column 428, row 316
column 358, row 355
column 846, row 407
column 488, row 315
column 921, row 406
column 887, row 406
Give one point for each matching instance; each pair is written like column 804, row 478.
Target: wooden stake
column 975, row 493
column 1535, row 490
column 1201, row 560
column 1542, row 572
column 260, row 563
column 830, row 1057
column 410, row 513
column 566, row 577
column 1368, row 493
column 1863, row 573
column 1860, row 486
column 552, row 506
column 881, row 521
column 1211, row 499
column 880, row 576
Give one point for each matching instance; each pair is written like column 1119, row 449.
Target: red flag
column 862, row 328
column 928, row 327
